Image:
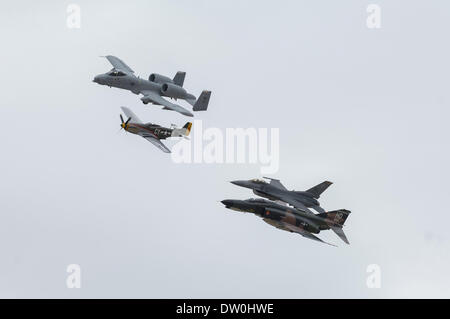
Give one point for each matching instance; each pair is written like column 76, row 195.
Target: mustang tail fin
column 178, row 79
column 184, row 131
column 319, row 189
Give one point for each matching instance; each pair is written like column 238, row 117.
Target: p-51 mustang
column 152, row 132
column 153, row 89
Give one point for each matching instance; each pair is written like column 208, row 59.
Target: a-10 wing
column 155, row 141
column 118, row 64
column 153, row 97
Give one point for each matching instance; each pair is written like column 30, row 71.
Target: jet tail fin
column 319, row 189
column 178, row 79
column 335, row 217
column 340, row 232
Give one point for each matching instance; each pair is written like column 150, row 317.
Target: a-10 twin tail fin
column 178, row 79
column 200, row 104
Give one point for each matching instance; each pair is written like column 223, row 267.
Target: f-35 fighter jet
column 276, row 191
column 152, row 132
column 153, row 89
column 291, row 219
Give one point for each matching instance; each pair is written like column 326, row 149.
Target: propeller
column 124, row 124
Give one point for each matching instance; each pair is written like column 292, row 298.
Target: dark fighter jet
column 276, row 191
column 290, row 219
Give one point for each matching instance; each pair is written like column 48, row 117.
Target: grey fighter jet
column 152, row 132
column 276, row 191
column 122, row 76
column 290, row 219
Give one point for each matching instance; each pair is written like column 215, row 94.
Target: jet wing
column 118, row 64
column 319, row 209
column 294, row 229
column 155, row 142
column 298, row 216
column 296, row 204
column 158, row 99
column 304, row 233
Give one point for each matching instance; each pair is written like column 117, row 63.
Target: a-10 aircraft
column 291, row 219
column 154, row 89
column 276, row 191
column 152, row 132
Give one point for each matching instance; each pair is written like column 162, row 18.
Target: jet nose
column 227, row 202
column 96, row 79
column 241, row 183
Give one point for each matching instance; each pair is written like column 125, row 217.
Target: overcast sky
column 364, row 108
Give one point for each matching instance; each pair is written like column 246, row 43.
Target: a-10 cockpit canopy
column 115, row 72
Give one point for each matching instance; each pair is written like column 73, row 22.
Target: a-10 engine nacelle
column 173, row 90
column 158, row 78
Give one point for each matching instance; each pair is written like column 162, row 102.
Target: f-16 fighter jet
column 122, row 76
column 152, row 132
column 276, row 191
column 290, row 219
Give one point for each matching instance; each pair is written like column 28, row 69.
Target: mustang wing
column 118, row 64
column 150, row 96
column 129, row 113
column 155, row 142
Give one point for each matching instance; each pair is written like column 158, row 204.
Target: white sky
column 366, row 109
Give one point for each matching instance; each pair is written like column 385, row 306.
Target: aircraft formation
column 153, row 91
column 285, row 209
column 298, row 217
